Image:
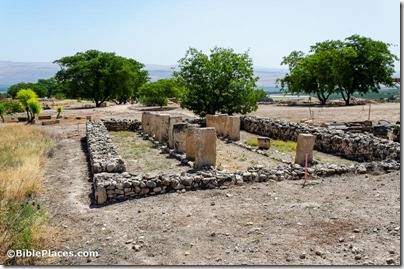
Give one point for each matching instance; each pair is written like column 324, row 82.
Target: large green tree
column 100, row 76
column 357, row 64
column 158, row 92
column 222, row 82
column 39, row 89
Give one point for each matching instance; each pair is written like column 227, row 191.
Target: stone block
column 49, row 122
column 180, row 137
column 163, row 122
column 205, row 147
column 146, row 117
column 100, row 195
column 264, row 142
column 173, row 120
column 153, row 125
column 305, row 145
column 232, row 130
column 221, row 123
column 88, row 117
column 190, row 144
column 47, row 117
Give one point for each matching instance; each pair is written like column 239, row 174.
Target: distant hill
column 14, row 72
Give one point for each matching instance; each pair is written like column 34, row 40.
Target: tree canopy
column 101, row 76
column 39, row 89
column 158, row 92
column 29, row 100
column 221, row 82
column 357, row 64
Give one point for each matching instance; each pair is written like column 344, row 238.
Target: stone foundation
column 354, row 146
column 103, row 155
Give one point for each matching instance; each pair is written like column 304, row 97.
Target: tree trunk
column 2, row 118
column 347, row 98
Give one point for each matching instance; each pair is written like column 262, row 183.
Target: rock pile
column 354, row 146
column 103, row 155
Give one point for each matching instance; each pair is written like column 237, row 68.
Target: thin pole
column 369, row 113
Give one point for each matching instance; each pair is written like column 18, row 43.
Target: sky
column 161, row 31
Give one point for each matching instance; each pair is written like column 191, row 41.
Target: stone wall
column 102, row 152
column 118, row 185
column 121, row 125
column 354, row 146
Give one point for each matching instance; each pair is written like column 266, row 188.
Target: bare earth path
column 340, row 220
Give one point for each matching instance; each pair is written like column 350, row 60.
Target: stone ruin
column 112, row 183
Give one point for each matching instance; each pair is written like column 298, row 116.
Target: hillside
column 14, row 72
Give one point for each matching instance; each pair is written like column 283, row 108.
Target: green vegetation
column 283, row 146
column 158, row 92
column 59, row 110
column 356, row 65
column 252, row 142
column 221, row 82
column 2, row 110
column 22, row 220
column 101, row 76
column 29, row 101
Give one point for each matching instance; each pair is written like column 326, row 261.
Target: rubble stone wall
column 354, row 146
column 103, row 155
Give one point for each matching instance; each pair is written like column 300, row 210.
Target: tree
column 34, row 108
column 158, row 92
column 39, row 89
column 357, row 64
column 310, row 74
column 59, row 110
column 221, row 82
column 24, row 95
column 100, row 76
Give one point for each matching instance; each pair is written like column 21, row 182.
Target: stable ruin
column 112, row 183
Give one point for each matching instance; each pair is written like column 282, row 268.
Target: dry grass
column 22, row 220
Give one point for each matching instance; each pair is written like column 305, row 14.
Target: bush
column 12, row 107
column 60, row 96
column 153, row 101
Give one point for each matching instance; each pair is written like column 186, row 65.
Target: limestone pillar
column 222, row 120
column 190, row 144
column 173, row 120
column 264, row 142
column 205, row 147
column 155, row 126
column 305, row 144
column 233, row 128
column 180, row 137
column 146, row 117
column 163, row 124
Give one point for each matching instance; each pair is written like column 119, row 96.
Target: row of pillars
column 199, row 144
column 225, row 125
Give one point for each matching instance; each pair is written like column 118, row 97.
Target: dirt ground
column 341, row 220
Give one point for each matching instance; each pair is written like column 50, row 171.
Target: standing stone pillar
column 205, row 147
column 233, row 128
column 305, row 144
column 156, row 126
column 222, row 120
column 146, row 117
column 209, row 120
column 163, row 123
column 173, row 120
column 180, row 137
column 190, row 144
column 264, row 142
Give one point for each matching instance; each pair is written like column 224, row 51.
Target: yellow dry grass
column 22, row 158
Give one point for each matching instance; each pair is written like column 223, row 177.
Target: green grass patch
column 252, row 141
column 283, row 146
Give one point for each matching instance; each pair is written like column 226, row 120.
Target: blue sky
column 160, row 32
